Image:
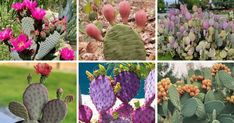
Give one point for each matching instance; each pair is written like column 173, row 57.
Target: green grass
column 13, row 82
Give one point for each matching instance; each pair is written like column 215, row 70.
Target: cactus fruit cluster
column 207, row 98
column 37, row 108
column 120, row 39
column 123, row 85
column 195, row 35
column 43, row 37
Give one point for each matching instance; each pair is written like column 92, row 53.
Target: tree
column 161, row 5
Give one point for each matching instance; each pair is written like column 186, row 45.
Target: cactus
column 121, row 40
column 150, row 88
column 104, row 90
column 196, row 35
column 129, row 83
column 207, row 106
column 43, row 34
column 36, row 107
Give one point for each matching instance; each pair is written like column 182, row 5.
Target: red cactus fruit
column 93, row 32
column 124, row 10
column 141, row 18
column 109, row 13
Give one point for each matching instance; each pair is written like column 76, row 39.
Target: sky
column 170, row 1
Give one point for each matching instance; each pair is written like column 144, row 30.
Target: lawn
column 13, row 82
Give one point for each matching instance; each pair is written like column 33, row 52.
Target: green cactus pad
column 209, row 96
column 207, row 73
column 27, row 25
column 226, row 79
column 121, row 42
column 30, row 121
column 215, row 121
column 189, row 108
column 215, row 104
column 47, row 45
column 226, row 118
column 34, row 98
column 19, row 110
column 200, row 112
column 174, row 97
column 54, row 111
column 176, row 117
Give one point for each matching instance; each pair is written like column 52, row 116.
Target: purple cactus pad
column 143, row 115
column 124, row 110
column 85, row 113
column 105, row 117
column 150, row 83
column 130, row 85
column 102, row 93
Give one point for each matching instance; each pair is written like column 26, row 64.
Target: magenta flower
column 21, row 43
column 188, row 16
column 31, row 5
column 38, row 13
column 18, row 6
column 67, row 54
column 5, row 34
column 206, row 24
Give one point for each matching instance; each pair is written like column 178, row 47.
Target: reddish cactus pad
column 85, row 113
column 102, row 93
column 144, row 115
column 130, row 85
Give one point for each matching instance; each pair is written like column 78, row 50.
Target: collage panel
column 200, row 92
column 117, row 92
column 38, row 30
column 117, row 30
column 38, row 92
column 195, row 30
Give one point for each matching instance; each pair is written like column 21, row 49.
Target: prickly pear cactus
column 124, row 111
column 102, row 93
column 144, row 115
column 129, row 83
column 47, row 45
column 85, row 113
column 121, row 41
column 27, row 25
column 19, row 110
column 34, row 98
column 150, row 87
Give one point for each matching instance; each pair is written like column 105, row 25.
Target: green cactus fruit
column 174, row 97
column 47, row 45
column 19, row 110
column 226, row 79
column 214, row 105
column 34, row 99
column 123, row 43
column 27, row 25
column 189, row 108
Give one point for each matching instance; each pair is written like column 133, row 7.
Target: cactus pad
column 30, row 121
column 47, row 45
column 85, row 113
column 124, row 110
column 27, row 25
column 189, row 108
column 102, row 94
column 143, row 115
column 150, row 83
column 174, row 96
column 122, row 43
column 54, row 111
column 35, row 97
column 226, row 79
column 214, row 105
column 19, row 110
column 130, row 85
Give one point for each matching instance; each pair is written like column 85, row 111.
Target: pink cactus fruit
column 102, row 93
column 94, row 32
column 124, row 111
column 109, row 13
column 141, row 18
column 130, row 85
column 85, row 113
column 144, row 114
column 124, row 10
column 150, row 83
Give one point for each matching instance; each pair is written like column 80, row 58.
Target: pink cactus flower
column 5, row 34
column 38, row 13
column 43, row 68
column 21, row 43
column 18, row 6
column 67, row 54
column 31, row 5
